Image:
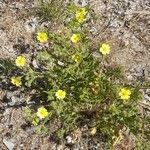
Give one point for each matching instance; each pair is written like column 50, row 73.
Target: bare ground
column 125, row 24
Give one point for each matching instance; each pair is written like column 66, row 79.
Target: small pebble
column 8, row 144
column 81, row 3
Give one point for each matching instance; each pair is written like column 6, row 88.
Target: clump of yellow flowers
column 81, row 15
column 125, row 94
column 42, row 113
column 20, row 61
column 60, row 94
column 105, row 49
column 76, row 58
column 16, row 81
column 42, row 37
column 76, row 38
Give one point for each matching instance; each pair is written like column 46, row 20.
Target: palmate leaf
column 30, row 77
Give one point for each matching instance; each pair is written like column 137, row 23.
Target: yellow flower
column 42, row 112
column 42, row 37
column 60, row 94
column 20, row 61
column 16, row 81
column 80, row 15
column 75, row 38
column 76, row 58
column 93, row 131
column 125, row 94
column 105, row 49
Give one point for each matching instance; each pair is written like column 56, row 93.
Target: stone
column 81, row 3
column 8, row 144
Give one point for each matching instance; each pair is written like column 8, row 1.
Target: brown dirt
column 125, row 25
column 13, row 18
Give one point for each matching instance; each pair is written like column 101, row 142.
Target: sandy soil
column 125, row 24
